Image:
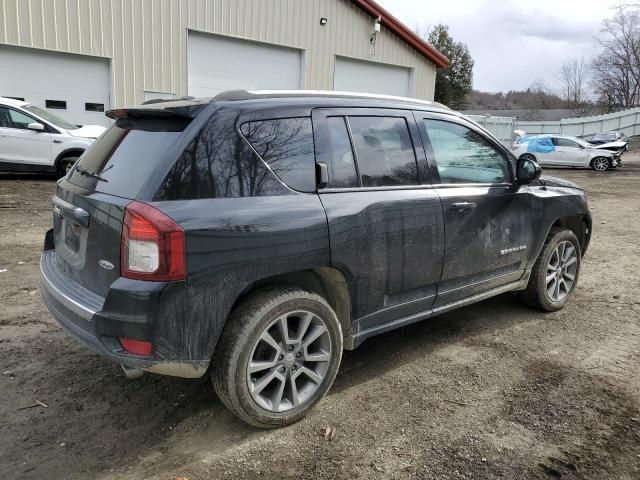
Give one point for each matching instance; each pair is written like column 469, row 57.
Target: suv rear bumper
column 77, row 310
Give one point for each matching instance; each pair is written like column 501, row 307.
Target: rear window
column 287, row 146
column 125, row 155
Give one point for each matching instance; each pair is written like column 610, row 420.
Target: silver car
column 564, row 151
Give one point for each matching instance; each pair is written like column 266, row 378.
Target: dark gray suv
column 256, row 235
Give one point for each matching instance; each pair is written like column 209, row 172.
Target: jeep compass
column 254, row 236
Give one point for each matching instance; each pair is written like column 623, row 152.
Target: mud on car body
column 256, row 235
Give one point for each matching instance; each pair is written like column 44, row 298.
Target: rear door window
column 286, row 145
column 125, row 155
column 384, row 151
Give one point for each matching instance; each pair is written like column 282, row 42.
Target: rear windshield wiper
column 89, row 173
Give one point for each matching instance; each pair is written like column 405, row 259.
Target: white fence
column 501, row 127
column 626, row 121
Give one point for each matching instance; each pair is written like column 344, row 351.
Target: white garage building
column 78, row 58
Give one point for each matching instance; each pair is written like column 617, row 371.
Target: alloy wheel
column 561, row 271
column 600, row 164
column 289, row 361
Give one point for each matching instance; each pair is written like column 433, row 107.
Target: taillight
column 152, row 245
column 137, row 347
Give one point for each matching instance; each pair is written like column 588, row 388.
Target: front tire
column 277, row 356
column 555, row 274
column 600, row 164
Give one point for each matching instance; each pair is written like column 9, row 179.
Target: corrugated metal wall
column 146, row 39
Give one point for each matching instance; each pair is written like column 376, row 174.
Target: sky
column 512, row 42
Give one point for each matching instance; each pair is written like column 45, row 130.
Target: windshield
column 50, row 117
column 604, row 136
column 581, row 142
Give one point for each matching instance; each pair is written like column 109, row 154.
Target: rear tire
column 600, row 164
column 269, row 378
column 64, row 165
column 555, row 274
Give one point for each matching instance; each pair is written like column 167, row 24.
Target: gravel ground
column 495, row 390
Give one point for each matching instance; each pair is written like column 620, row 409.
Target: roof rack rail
column 249, row 94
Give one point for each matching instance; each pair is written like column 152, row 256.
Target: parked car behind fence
column 564, row 151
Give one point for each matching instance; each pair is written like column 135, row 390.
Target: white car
column 34, row 140
column 564, row 151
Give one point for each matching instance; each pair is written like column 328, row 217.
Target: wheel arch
column 580, row 225
column 328, row 282
column 69, row 152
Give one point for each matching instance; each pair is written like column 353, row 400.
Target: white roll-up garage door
column 217, row 63
column 371, row 77
column 74, row 87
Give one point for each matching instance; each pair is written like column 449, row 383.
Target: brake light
column 152, row 245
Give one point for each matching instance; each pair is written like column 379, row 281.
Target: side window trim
column 428, row 149
column 433, row 167
column 319, row 116
column 354, row 152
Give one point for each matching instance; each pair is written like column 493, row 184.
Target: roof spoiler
column 157, row 109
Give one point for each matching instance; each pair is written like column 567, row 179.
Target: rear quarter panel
column 232, row 243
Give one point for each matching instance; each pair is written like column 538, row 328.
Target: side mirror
column 36, row 127
column 527, row 171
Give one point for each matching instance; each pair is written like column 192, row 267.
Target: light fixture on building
column 323, row 21
column 376, row 25
column 374, row 36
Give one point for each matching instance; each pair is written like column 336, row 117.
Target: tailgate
column 90, row 201
column 86, row 233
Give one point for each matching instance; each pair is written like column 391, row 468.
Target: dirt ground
column 495, row 390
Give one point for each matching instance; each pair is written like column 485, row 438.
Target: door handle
column 462, row 207
column 322, row 174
